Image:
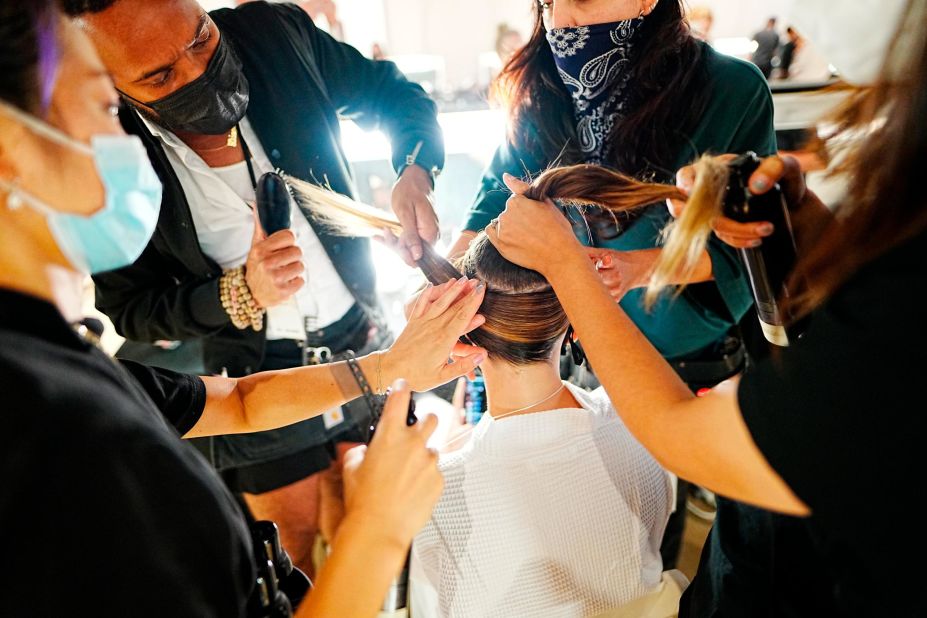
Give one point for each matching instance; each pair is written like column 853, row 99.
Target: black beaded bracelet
column 374, row 402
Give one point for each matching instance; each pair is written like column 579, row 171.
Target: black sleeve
column 836, row 413
column 373, row 93
column 146, row 304
column 180, row 398
column 129, row 527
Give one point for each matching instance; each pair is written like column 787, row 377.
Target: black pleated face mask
column 211, row 104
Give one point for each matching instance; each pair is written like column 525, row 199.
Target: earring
column 647, row 11
column 14, row 199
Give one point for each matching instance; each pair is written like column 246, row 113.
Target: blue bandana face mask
column 594, row 63
column 115, row 235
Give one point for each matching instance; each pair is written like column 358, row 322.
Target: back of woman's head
column 524, row 319
column 28, row 52
column 668, row 97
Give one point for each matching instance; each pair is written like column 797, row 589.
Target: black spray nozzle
column 266, row 537
column 737, row 197
column 273, row 203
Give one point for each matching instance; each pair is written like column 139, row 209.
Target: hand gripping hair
column 524, row 319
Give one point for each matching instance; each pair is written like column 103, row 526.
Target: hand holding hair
column 439, row 317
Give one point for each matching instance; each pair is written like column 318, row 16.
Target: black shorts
column 270, row 475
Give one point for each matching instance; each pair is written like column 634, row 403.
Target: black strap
column 247, row 152
column 374, row 402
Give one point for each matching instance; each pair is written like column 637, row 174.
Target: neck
column 26, row 268
column 522, row 388
column 213, row 149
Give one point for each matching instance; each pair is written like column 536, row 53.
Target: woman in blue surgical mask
column 107, row 511
column 825, row 436
column 624, row 84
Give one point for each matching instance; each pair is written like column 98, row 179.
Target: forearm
column 604, row 328
column 704, row 440
column 357, row 574
column 701, row 273
column 274, row 399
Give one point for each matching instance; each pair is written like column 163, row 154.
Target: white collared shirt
column 220, row 202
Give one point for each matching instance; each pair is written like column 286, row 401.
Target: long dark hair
column 28, row 52
column 668, row 97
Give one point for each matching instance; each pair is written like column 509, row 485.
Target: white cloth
column 220, row 201
column 808, row 65
column 557, row 514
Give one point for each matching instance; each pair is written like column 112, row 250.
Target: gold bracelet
column 238, row 302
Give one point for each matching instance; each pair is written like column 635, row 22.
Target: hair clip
column 576, row 350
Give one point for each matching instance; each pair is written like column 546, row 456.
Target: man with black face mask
column 219, row 99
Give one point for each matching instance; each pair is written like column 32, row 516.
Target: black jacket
column 301, row 81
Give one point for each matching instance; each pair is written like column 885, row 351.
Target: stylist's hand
column 275, row 266
column 392, row 485
column 783, row 170
column 623, row 271
column 438, row 318
column 413, row 202
column 529, row 233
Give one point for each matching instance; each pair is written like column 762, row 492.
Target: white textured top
column 220, row 202
column 557, row 514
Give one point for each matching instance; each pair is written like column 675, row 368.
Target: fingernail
column 607, row 260
column 760, row 183
column 766, row 229
column 479, row 287
column 416, row 253
column 756, row 243
column 506, row 175
column 480, row 358
column 462, row 280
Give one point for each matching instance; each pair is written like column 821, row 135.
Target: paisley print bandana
column 594, row 63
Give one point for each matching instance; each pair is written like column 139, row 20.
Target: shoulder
column 252, row 15
column 733, row 75
column 63, row 402
column 595, row 401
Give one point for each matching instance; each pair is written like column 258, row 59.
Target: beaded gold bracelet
column 238, row 302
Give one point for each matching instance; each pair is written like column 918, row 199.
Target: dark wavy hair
column 668, row 97
column 79, row 7
column 29, row 52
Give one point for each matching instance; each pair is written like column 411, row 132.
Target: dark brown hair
column 29, row 53
column 668, row 97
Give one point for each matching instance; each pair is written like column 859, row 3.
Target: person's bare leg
column 295, row 510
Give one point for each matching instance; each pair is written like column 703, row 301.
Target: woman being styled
column 836, row 415
column 623, row 84
column 105, row 510
column 550, row 508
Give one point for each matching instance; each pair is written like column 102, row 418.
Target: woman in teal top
column 689, row 101
column 622, row 83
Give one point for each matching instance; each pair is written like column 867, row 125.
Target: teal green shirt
column 738, row 118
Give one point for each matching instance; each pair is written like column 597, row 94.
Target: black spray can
column 770, row 265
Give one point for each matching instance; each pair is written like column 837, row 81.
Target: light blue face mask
column 116, row 235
